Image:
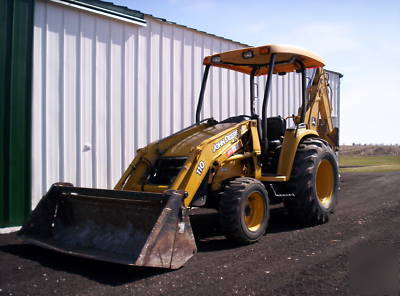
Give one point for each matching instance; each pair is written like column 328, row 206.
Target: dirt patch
column 289, row 260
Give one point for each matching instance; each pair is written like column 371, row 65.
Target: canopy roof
column 242, row 60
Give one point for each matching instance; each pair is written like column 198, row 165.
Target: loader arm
column 146, row 157
column 203, row 148
column 211, row 155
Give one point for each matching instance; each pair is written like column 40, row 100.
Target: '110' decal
column 200, row 167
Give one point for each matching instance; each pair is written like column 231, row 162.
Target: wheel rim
column 325, row 183
column 254, row 211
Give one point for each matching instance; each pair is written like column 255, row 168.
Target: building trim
column 15, row 85
column 111, row 12
column 5, row 52
column 9, row 229
column 163, row 20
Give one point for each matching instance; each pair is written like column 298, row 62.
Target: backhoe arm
column 318, row 109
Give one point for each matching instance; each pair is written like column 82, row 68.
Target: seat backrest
column 276, row 127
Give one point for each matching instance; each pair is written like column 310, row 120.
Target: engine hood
column 184, row 147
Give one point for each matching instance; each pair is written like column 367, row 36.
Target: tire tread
column 229, row 210
column 304, row 207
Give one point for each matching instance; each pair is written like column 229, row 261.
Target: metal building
column 106, row 80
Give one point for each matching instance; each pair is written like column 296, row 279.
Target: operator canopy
column 243, row 60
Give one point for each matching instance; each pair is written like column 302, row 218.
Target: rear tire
column 244, row 210
column 314, row 182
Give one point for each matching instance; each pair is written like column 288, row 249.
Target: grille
column 165, row 170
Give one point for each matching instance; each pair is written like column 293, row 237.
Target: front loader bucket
column 126, row 227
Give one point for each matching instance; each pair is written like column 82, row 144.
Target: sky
column 360, row 39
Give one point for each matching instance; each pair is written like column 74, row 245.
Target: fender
column 291, row 141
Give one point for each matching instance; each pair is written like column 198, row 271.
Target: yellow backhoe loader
column 238, row 165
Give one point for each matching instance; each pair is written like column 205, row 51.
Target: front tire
column 244, row 210
column 314, row 182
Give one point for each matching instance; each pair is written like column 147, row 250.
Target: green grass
column 369, row 163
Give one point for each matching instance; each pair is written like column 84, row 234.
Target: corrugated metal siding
column 104, row 88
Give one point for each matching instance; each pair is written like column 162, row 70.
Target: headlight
column 247, row 54
column 216, row 59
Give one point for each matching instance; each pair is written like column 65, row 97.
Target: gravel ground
column 289, row 260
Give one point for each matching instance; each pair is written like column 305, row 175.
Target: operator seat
column 276, row 127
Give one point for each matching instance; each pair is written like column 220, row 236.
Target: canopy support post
column 201, row 96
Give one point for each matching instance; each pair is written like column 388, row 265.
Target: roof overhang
column 107, row 9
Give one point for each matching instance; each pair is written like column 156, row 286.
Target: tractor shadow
column 206, row 231
column 102, row 272
column 209, row 237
